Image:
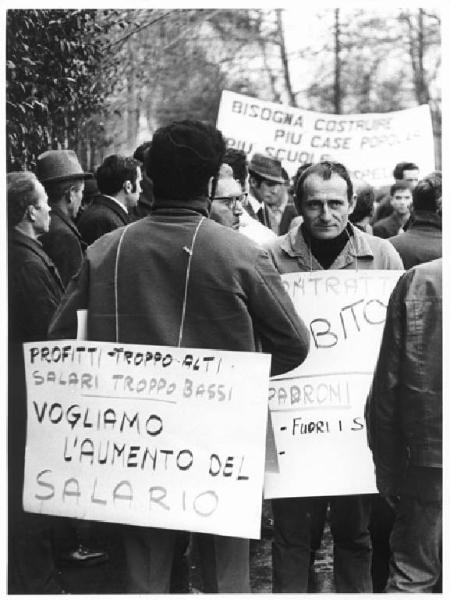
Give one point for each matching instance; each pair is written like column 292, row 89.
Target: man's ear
column 127, row 186
column 30, row 213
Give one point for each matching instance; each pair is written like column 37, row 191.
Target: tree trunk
column 284, row 58
column 337, row 64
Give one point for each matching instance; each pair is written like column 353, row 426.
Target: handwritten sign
column 317, row 409
column 152, row 436
column 369, row 145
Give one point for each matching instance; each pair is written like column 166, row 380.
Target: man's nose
column 237, row 209
column 325, row 213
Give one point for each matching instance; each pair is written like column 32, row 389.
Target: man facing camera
column 325, row 240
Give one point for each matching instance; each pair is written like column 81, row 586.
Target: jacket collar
column 295, row 246
column 20, row 239
column 57, row 212
column 423, row 218
column 200, row 205
column 115, row 206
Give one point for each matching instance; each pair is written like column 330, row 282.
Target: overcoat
column 101, row 216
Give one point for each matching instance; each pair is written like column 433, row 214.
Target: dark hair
column 237, row 159
column 22, row 193
column 403, row 166
column 365, row 198
column 398, row 186
column 428, row 191
column 57, row 191
column 114, row 171
column 296, row 177
column 325, row 170
column 140, row 152
column 182, row 158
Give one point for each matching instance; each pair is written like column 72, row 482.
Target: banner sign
column 152, row 436
column 369, row 145
column 317, row 410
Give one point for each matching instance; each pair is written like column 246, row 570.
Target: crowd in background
column 245, row 222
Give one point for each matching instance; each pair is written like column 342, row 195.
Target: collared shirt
column 275, row 214
column 122, row 206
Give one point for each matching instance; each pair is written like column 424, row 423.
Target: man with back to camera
column 422, row 241
column 404, row 428
column 400, row 199
column 63, row 178
column 119, row 183
column 34, row 292
column 325, row 240
column 216, row 289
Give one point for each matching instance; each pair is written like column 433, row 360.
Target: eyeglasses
column 231, row 201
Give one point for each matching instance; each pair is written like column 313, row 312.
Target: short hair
column 184, row 155
column 427, row 193
column 237, row 159
column 365, row 198
column 140, row 152
column 403, row 166
column 325, row 170
column 296, row 177
column 22, row 193
column 114, row 171
column 398, row 186
column 58, row 190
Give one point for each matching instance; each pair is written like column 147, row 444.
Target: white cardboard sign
column 317, row 410
column 369, row 145
column 152, row 436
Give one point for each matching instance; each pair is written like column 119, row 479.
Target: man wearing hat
column 63, row 178
column 266, row 177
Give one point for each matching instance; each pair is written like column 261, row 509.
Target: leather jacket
column 404, row 407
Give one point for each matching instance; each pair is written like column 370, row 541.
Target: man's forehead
column 315, row 183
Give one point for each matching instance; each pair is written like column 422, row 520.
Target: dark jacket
column 404, row 407
column 235, row 298
column 35, row 289
column 387, row 227
column 101, row 216
column 422, row 241
column 64, row 245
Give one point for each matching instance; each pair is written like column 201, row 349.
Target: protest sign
column 369, row 145
column 152, row 436
column 317, row 409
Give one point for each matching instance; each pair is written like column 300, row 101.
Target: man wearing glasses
column 229, row 207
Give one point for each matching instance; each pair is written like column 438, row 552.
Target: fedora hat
column 266, row 167
column 59, row 165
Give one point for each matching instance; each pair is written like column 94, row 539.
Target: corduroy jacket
column 133, row 284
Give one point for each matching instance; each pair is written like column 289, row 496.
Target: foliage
column 53, row 58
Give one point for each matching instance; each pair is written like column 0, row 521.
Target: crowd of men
column 198, row 238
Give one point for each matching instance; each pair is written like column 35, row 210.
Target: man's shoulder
column 101, row 207
column 381, row 248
